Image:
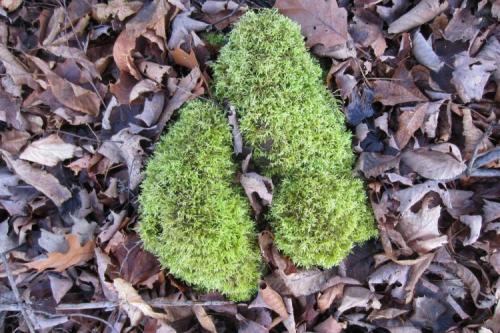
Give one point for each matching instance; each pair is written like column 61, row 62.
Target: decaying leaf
column 409, row 121
column 182, row 27
column 58, row 261
column 474, row 222
column 39, row 179
column 400, row 89
column 257, row 185
column 204, row 319
column 433, row 164
column 474, row 137
column 321, row 22
column 491, row 211
column 15, row 69
column 49, row 151
column 270, row 299
column 133, row 304
column 115, row 8
column 470, row 76
column 423, row 12
column 358, row 297
column 423, row 52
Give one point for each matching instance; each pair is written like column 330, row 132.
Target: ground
column 88, row 88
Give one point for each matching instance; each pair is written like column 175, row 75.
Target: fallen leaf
column 367, row 32
column 423, row 12
column 433, row 164
column 185, row 59
column 6, row 242
column 10, row 111
column 39, row 179
column 76, row 255
column 52, row 242
column 375, row 164
column 59, row 285
column 133, row 304
column 154, row 71
column 389, row 313
column 143, row 87
column 491, row 211
column 474, row 137
column 11, row 5
column 409, row 121
column 427, row 312
column 399, row 89
column 70, row 94
column 358, row 297
column 13, row 141
column 49, row 151
column 15, row 68
column 474, row 222
column 329, row 325
column 257, row 187
column 321, row 22
column 115, row 8
column 204, row 319
column 182, row 27
column 360, row 105
column 470, row 76
column 423, row 52
column 270, row 299
column 389, row 14
column 462, row 26
column 420, row 230
column 391, row 274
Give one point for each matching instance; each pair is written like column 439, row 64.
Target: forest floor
column 88, row 87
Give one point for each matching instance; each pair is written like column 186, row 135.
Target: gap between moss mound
column 295, row 126
column 192, row 218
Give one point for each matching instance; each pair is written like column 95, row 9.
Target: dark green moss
column 192, row 218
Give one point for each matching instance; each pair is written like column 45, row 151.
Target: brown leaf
column 474, row 222
column 400, row 89
column 491, row 210
column 462, row 26
column 154, row 71
column 423, row 52
column 433, row 164
column 474, row 137
column 133, row 304
column 420, row 230
column 49, row 151
column 182, row 27
column 375, row 164
column 204, row 319
column 143, row 87
column 326, row 298
column 11, row 5
column 257, row 187
column 10, row 111
column 182, row 92
column 59, row 286
column 13, row 141
column 410, row 196
column 321, row 22
column 152, row 17
column 409, row 122
column 470, row 76
column 358, row 297
column 185, row 59
column 367, row 32
column 391, row 274
column 115, row 8
column 39, row 179
column 69, row 94
column 330, row 325
column 423, row 12
column 270, row 299
column 76, row 255
column 15, row 69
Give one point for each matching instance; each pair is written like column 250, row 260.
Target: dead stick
column 13, row 286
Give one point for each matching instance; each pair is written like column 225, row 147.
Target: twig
column 13, row 286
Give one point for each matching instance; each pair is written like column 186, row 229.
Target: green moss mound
column 299, row 138
column 192, row 218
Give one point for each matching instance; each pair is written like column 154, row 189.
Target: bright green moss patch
column 192, row 217
column 215, row 38
column 286, row 114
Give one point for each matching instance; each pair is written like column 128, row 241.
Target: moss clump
column 191, row 217
column 214, row 38
column 295, row 126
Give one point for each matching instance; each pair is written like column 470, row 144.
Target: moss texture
column 192, row 217
column 293, row 124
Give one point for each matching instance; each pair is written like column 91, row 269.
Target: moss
column 192, row 218
column 214, row 38
column 294, row 124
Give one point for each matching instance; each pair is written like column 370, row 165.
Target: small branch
column 13, row 286
column 485, row 173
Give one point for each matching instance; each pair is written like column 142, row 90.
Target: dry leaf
column 257, row 187
column 473, row 136
column 185, row 59
column 462, row 26
column 76, row 255
column 358, row 297
column 410, row 196
column 491, row 211
column 59, row 286
column 409, row 121
column 115, row 8
column 400, row 89
column 423, row 52
column 69, row 94
column 133, row 304
column 470, row 76
column 322, row 22
column 39, row 179
column 474, row 222
column 13, row 141
column 15, row 68
column 374, row 164
column 433, row 164
column 11, row 5
column 423, row 12
column 182, row 27
column 270, row 299
column 330, row 325
column 204, row 319
column 49, row 151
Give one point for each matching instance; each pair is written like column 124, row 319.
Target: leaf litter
column 88, row 87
